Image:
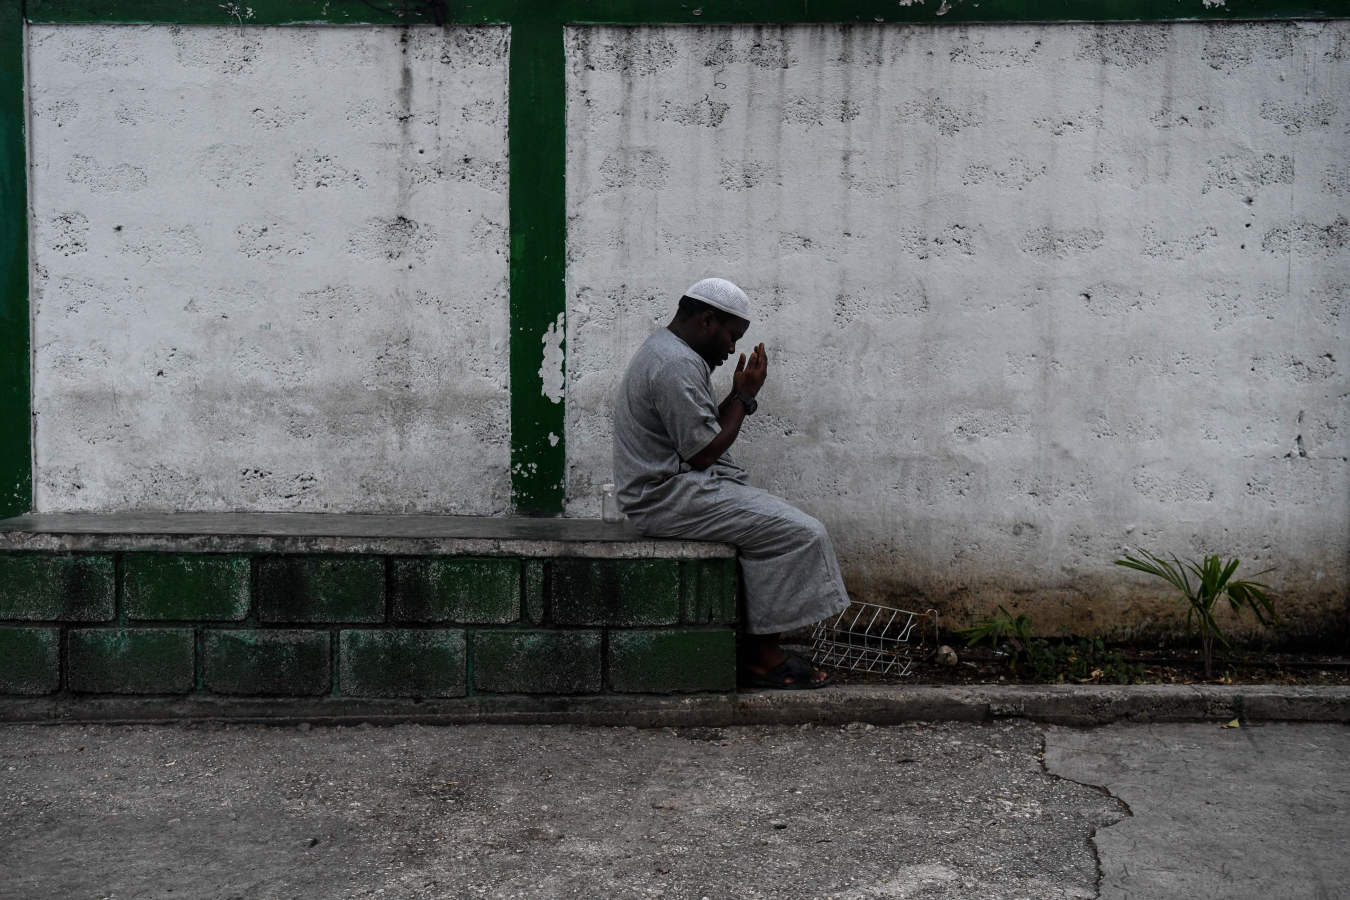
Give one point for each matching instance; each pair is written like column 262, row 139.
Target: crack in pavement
column 1127, row 812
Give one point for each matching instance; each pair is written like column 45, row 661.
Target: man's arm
column 748, row 379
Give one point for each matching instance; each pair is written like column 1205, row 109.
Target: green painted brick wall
column 131, row 660
column 52, row 586
column 536, row 662
column 30, row 660
column 708, row 591
column 320, row 589
column 466, row 591
column 186, row 587
column 279, row 662
column 549, row 658
column 402, row 663
column 666, row 660
column 620, row 592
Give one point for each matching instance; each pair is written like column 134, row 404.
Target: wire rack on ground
column 868, row 637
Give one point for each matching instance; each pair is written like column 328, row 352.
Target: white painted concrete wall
column 1032, row 294
column 270, row 268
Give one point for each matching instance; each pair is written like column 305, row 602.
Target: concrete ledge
column 291, row 533
column 875, row 704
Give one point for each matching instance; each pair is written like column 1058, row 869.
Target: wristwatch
column 750, row 403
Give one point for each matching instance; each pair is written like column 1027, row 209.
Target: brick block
column 131, row 660
column 294, row 663
column 321, row 589
column 536, row 662
column 708, row 591
column 30, row 660
column 471, row 591
column 52, row 586
column 615, row 592
column 532, row 603
column 401, row 663
column 663, row 661
column 185, row 587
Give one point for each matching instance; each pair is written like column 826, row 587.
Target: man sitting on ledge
column 676, row 479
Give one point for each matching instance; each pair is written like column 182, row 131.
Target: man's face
column 720, row 334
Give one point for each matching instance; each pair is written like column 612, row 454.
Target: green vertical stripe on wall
column 16, row 410
column 538, row 244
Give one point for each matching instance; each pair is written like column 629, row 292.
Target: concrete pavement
column 1217, row 813
column 948, row 810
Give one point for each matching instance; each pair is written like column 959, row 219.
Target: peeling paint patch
column 951, row 240
column 636, row 55
column 1072, row 123
column 1247, row 171
column 1295, row 117
column 630, row 166
column 1178, row 487
column 1108, row 298
column 811, row 111
column 741, row 174
column 1060, row 242
column 271, row 241
column 1177, row 248
column 551, row 369
column 944, row 117
column 392, row 239
column 1230, row 46
column 1214, row 4
column 1308, row 238
column 1125, row 47
column 104, row 178
column 707, row 112
column 69, row 233
column 1016, row 173
column 1337, row 179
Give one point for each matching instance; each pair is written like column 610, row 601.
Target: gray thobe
column 664, row 414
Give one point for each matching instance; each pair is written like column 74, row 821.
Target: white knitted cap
column 722, row 294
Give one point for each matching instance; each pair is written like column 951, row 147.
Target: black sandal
column 792, row 674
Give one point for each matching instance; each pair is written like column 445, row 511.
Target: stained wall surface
column 1032, row 295
column 269, row 268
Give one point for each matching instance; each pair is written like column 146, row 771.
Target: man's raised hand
column 750, row 374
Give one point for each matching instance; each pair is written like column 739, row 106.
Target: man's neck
column 675, row 329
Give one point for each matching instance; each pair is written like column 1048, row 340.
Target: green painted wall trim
column 538, row 245
column 642, row 12
column 16, row 410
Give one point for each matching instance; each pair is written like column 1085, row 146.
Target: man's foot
column 774, row 667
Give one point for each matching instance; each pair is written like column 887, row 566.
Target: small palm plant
column 1213, row 582
column 1002, row 628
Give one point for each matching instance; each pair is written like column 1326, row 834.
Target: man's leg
column 791, row 576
